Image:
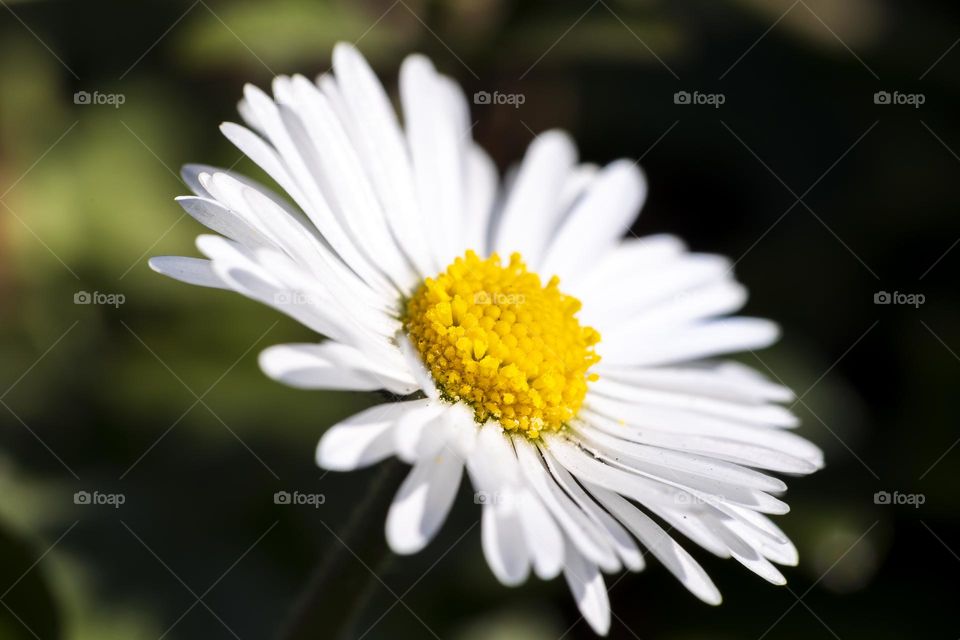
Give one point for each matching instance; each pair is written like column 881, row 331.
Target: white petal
column 408, row 435
column 543, row 536
column 502, row 489
column 461, row 429
column 238, row 268
column 773, row 543
column 501, row 534
column 317, row 269
column 652, row 283
column 191, row 176
column 219, row 218
column 749, row 557
column 659, row 419
column 695, row 523
column 589, row 590
column 381, row 145
column 266, row 157
column 290, row 164
column 435, row 139
column 327, row 84
column 190, row 270
column 684, row 486
column 481, row 194
column 416, row 367
column 423, row 502
column 723, row 448
column 721, row 381
column 346, row 186
column 587, row 536
column 656, row 486
column 290, row 232
column 625, row 261
column 362, row 439
column 576, row 184
column 622, row 543
column 532, row 211
column 321, row 297
column 598, row 220
column 614, row 396
column 688, row 307
column 241, row 269
column 586, row 468
column 717, row 337
column 248, row 116
column 677, row 463
column 331, row 365
column 690, row 574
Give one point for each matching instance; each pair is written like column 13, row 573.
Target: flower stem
column 341, row 586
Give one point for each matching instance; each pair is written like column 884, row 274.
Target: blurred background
column 814, row 141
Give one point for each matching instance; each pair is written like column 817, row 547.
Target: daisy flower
column 568, row 372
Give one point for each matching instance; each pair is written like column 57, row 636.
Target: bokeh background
column 823, row 196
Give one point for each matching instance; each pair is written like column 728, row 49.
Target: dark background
column 823, row 197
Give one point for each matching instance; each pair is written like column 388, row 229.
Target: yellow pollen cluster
column 496, row 338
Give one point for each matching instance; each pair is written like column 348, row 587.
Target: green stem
column 331, row 604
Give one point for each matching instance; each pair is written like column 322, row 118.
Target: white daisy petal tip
column 768, row 328
column 195, row 271
column 344, row 48
column 347, row 58
column 590, row 592
column 254, row 94
column 208, row 244
column 159, row 264
column 558, row 140
column 415, row 63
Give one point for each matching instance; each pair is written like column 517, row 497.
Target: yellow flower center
column 496, row 338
